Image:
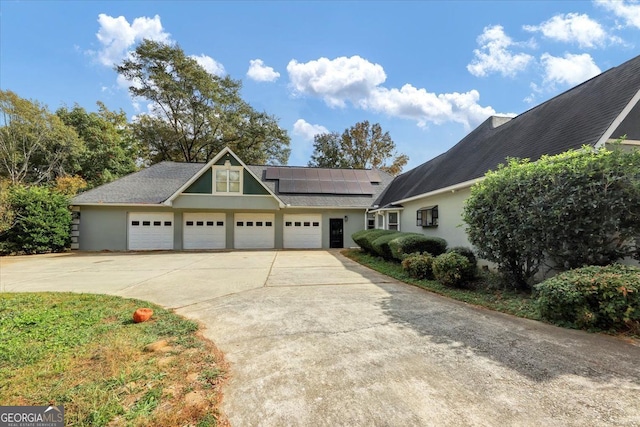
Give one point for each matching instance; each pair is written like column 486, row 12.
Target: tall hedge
column 574, row 209
column 41, row 221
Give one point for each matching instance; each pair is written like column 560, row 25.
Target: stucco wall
column 450, row 225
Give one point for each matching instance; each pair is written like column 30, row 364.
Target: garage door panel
column 204, row 230
column 254, row 231
column 302, row 231
column 150, row 230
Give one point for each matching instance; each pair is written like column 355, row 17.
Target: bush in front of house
column 365, row 238
column 410, row 243
column 593, row 297
column 575, row 209
column 470, row 256
column 419, row 266
column 381, row 245
column 41, row 221
column 452, row 269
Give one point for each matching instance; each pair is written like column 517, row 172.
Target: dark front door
column 336, row 230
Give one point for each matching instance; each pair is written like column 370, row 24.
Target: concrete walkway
column 315, row 339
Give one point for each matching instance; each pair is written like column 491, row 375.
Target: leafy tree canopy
column 35, row 145
column 362, row 146
column 194, row 114
column 110, row 149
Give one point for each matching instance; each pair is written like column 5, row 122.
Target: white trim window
column 228, row 180
column 393, row 220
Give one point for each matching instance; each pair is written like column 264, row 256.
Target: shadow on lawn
column 534, row 349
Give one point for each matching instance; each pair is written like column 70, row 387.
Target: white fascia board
column 616, row 122
column 398, row 208
column 451, row 188
column 225, row 150
column 326, row 207
column 141, row 205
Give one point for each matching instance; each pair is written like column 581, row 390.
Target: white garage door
column 150, row 230
column 204, row 231
column 254, row 231
column 302, row 231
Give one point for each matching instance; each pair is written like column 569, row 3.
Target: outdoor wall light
column 346, row 218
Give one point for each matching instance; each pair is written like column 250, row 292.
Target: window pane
column 249, row 223
column 239, row 223
column 167, row 223
column 307, row 224
column 220, row 223
column 234, row 176
column 234, row 187
column 393, row 217
column 269, row 224
column 157, row 223
column 200, row 223
column 189, row 223
column 221, row 175
column 135, row 222
column 287, row 224
column 259, row 224
column 146, row 222
column 221, row 187
column 209, row 223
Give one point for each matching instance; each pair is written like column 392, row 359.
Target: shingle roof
column 157, row 183
column 577, row 117
column 325, row 200
column 152, row 185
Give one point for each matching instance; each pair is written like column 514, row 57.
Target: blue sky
column 428, row 72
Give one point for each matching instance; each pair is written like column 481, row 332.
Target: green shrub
column 365, row 238
column 409, row 243
column 593, row 297
column 469, row 255
column 42, row 222
column 381, row 245
column 452, row 269
column 575, row 209
column 419, row 266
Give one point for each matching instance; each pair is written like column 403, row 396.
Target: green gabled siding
column 251, row 185
column 203, row 185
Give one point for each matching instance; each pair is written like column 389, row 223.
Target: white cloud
column 306, row 130
column 210, row 65
column 494, row 55
column 570, row 69
column 627, row 10
column 337, row 80
column 358, row 81
column 573, row 28
column 260, row 72
column 116, row 36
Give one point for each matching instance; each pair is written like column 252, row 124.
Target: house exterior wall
column 450, row 224
column 225, row 202
column 106, row 227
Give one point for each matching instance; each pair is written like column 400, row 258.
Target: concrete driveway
column 315, row 339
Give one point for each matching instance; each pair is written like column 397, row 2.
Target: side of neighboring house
column 430, row 198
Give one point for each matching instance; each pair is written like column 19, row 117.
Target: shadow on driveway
column 536, row 350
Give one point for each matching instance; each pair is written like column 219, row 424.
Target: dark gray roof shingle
column 577, row 117
column 152, row 185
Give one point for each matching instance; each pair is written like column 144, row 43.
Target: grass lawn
column 506, row 301
column 84, row 352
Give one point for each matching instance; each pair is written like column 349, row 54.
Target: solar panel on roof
column 272, row 173
column 340, row 187
column 324, row 174
column 353, row 187
column 301, row 186
column 314, row 187
column 298, row 174
column 312, row 174
column 361, row 175
column 285, row 173
column 367, row 188
column 326, row 187
column 336, row 174
column 285, row 186
column 349, row 175
column 373, row 175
